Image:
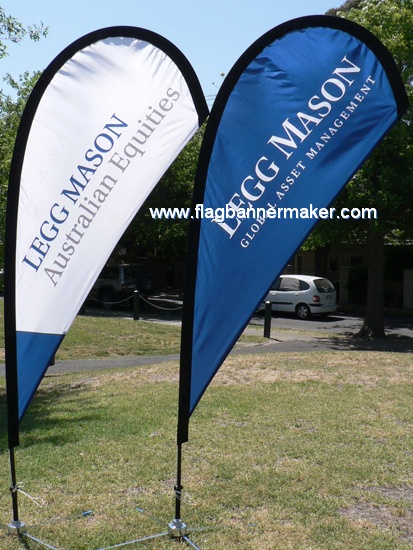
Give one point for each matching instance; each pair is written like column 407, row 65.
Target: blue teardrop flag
column 295, row 118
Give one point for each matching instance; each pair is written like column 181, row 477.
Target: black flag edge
column 384, row 57
column 13, row 192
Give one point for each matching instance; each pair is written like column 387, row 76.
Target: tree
column 11, row 111
column 11, row 30
column 385, row 181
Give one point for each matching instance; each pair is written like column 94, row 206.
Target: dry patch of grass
column 366, row 368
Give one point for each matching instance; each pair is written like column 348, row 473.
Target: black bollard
column 267, row 320
column 136, row 305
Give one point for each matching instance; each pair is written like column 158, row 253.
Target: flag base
column 177, row 528
column 16, row 528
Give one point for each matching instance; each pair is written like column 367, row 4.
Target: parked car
column 117, row 283
column 303, row 295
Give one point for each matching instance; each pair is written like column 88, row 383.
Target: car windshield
column 323, row 285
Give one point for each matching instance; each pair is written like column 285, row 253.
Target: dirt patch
column 385, row 516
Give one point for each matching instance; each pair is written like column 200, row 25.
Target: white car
column 302, row 294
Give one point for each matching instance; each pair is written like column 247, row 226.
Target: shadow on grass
column 41, row 424
column 391, row 343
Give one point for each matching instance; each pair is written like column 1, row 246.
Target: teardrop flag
column 293, row 121
column 106, row 119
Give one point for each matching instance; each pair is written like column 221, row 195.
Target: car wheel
column 303, row 311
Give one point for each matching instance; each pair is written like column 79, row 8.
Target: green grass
column 303, row 450
column 94, row 336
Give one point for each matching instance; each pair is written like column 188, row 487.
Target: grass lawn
column 94, row 336
column 300, row 451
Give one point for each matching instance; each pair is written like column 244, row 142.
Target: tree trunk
column 321, row 261
column 373, row 326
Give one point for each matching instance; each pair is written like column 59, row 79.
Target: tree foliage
column 11, row 30
column 385, row 180
column 11, row 108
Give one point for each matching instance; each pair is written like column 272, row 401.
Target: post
column 136, row 305
column 267, row 320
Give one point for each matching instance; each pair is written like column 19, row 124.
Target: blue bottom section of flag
column 35, row 352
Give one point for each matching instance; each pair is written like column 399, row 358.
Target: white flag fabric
column 105, row 121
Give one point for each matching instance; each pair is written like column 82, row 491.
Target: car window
column 289, row 284
column 323, row 285
column 304, row 285
column 276, row 284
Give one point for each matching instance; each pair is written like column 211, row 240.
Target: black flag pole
column 177, row 527
column 15, row 526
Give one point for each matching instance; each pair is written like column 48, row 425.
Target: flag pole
column 10, row 336
column 177, row 528
column 15, row 527
column 178, row 486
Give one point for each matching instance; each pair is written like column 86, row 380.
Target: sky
column 212, row 34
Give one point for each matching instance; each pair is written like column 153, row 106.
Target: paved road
column 339, row 323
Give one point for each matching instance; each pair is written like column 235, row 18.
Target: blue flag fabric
column 295, row 118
